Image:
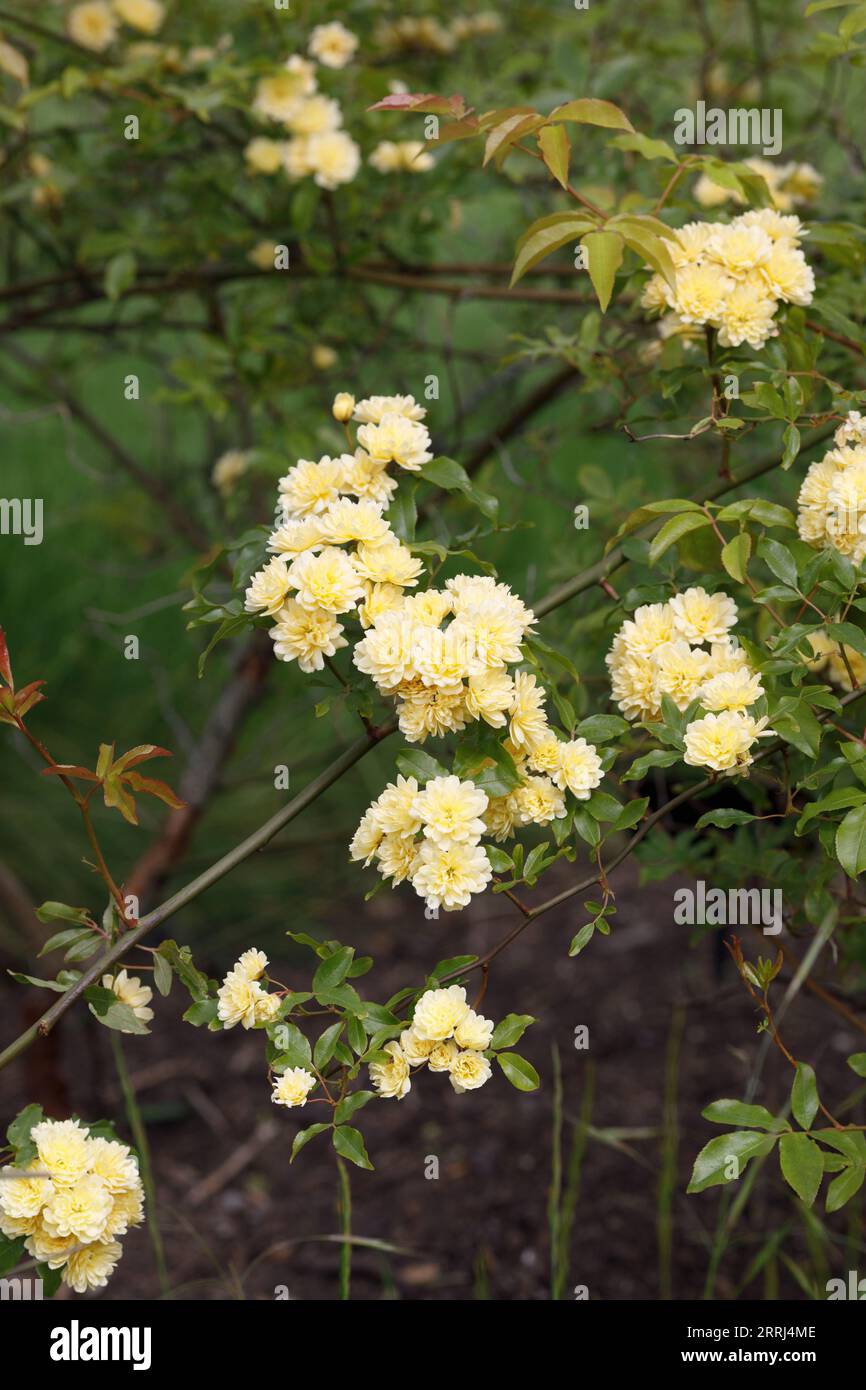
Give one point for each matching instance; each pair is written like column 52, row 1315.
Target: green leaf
column 735, row 556
column 12, row 1252
column 737, row 1112
column 333, row 970
column 293, row 1048
column 500, row 862
column 555, row 150
column 804, row 1095
column 656, row 758
column 644, row 146
column 181, row 962
column 349, row 1104
column 325, row 1045
column 593, row 111
column 119, row 1016
column 779, row 560
column 202, row 1011
column 802, row 1165
column 546, row 235
column 851, row 842
column 581, row 939
column 417, row 764
column 303, row 1137
column 598, row 728
column 510, row 1030
column 349, row 1144
column 725, row 817
column 604, row 256
column 857, row 1063
column 520, row 1073
column 62, row 912
column 162, row 974
column 672, row 530
column 120, row 274
column 843, row 1188
column 452, row 476
column 740, row 1146
column 19, row 1129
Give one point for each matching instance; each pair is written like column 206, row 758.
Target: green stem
column 344, row 1207
column 139, row 1135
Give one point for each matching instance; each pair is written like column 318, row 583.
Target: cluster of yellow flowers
column 241, row 998
column 432, row 836
column 662, row 651
column 733, row 276
column 445, row 1035
column 290, row 98
column 72, row 1202
column 401, row 157
column 330, row 504
column 790, row 185
column 428, row 33
column 94, row 24
column 832, row 500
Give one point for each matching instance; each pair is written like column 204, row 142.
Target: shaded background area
column 670, row 1028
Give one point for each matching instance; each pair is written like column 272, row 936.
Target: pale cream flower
column 401, row 157
column 297, row 535
column 132, row 992
column 347, row 520
column 327, row 580
column 279, row 95
column 438, row 1012
column 91, row 1267
column 579, row 768
column 127, row 1211
column 788, row 275
column 391, row 1079
column 14, row 64
column 448, row 874
column 721, row 742
column 682, row 671
column 344, row 404
column 114, row 1163
column 702, row 617
column 395, row 810
column 528, row 722
column 388, row 562
column 397, row 857
column 489, row 695
column 268, row 588
column 747, row 316
column 397, row 439
column 431, row 711
column 92, row 24
column 734, row 690
column 373, row 409
column 537, row 802
column 80, row 1210
column 292, row 1088
column 315, row 115
column 144, row 15
column 264, row 156
column 333, row 44
column 306, row 635
column 416, row 1050
column 23, row 1198
column 469, row 1070
column 228, row 469
column 700, row 294
column 442, row 1055
column 380, row 598
column 366, row 839
column 366, row 477
column 450, row 810
column 474, row 1032
column 651, row 626
column 334, row 158
column 62, row 1149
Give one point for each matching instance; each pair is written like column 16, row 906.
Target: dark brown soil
column 480, row 1229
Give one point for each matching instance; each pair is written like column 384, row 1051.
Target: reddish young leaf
column 116, row 795
column 154, row 787
column 5, row 666
column 139, row 754
column 422, row 101
column 70, row 770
